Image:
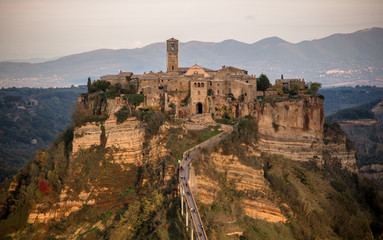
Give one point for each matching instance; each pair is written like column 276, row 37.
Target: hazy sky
column 50, row 28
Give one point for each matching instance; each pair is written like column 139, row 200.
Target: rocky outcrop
column 294, row 129
column 125, row 153
column 291, row 128
column 251, row 181
column 126, row 139
column 340, row 153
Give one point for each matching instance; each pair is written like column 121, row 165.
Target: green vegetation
column 263, row 83
column 346, row 97
column 310, row 192
column 135, row 99
column 123, row 114
column 40, row 180
column 314, row 87
column 27, row 114
column 364, row 138
column 179, row 142
column 355, row 113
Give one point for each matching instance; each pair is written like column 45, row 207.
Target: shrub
column 135, row 99
column 123, row 114
column 154, row 123
column 100, row 85
column 113, row 91
column 185, row 101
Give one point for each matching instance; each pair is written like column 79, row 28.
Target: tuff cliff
column 294, row 129
column 113, row 168
column 247, row 180
column 103, row 164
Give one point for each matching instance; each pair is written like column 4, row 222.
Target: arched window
column 172, row 46
column 199, row 85
column 195, row 84
column 202, row 84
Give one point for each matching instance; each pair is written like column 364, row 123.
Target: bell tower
column 172, row 55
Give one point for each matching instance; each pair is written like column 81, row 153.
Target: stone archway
column 199, row 108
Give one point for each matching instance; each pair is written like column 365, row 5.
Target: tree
column 89, row 85
column 263, row 83
column 294, row 88
column 100, row 85
column 314, row 87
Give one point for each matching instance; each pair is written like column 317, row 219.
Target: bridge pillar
column 187, row 216
column 191, row 228
column 182, row 199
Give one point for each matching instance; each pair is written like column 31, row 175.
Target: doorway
column 199, row 108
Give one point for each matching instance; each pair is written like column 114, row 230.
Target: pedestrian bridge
column 189, row 207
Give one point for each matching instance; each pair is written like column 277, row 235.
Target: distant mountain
column 340, row 59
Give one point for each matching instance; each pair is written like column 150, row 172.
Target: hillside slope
column 31, row 119
column 115, row 176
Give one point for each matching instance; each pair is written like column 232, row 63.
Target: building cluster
column 192, row 90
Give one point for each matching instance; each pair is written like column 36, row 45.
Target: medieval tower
column 172, row 55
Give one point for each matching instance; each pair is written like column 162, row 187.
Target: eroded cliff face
column 294, row 129
column 256, row 202
column 126, row 139
column 109, row 173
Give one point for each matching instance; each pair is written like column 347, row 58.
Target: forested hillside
column 30, row 119
column 364, row 126
column 346, row 97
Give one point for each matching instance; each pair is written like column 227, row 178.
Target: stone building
column 191, row 90
column 287, row 84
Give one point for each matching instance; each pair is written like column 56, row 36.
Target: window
column 229, row 90
column 210, row 83
column 195, row 84
column 172, row 67
column 218, row 84
column 217, row 91
column 202, row 84
column 172, row 46
column 199, row 85
column 199, row 93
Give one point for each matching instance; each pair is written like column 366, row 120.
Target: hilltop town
column 188, row 91
column 223, row 150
